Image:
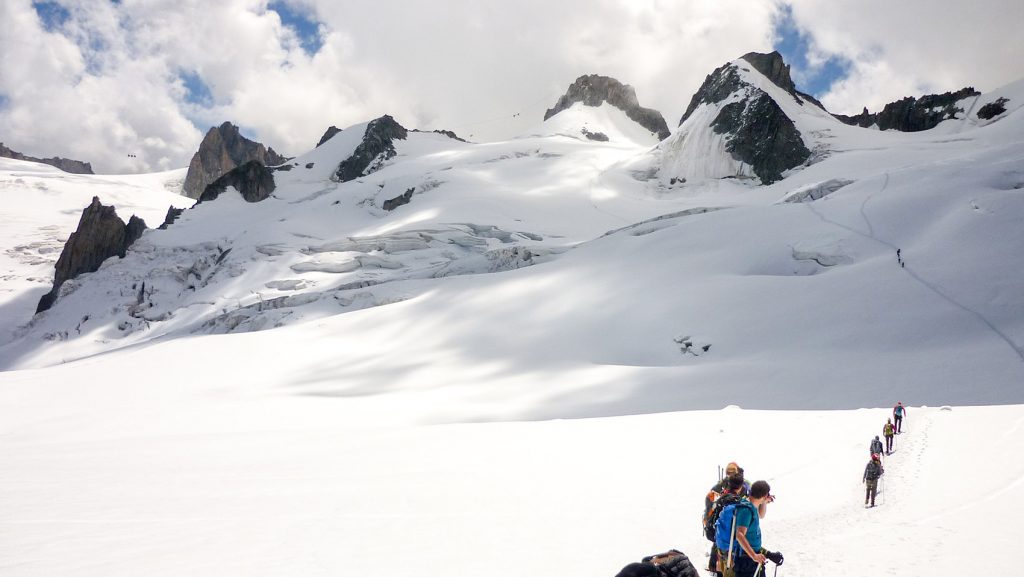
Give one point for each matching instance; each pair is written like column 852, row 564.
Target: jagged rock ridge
column 913, row 114
column 65, row 164
column 101, row 234
column 376, row 148
column 224, row 148
column 593, row 89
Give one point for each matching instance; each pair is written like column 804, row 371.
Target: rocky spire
column 101, row 234
column 224, row 148
column 592, row 90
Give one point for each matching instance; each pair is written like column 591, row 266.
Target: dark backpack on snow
column 669, row 564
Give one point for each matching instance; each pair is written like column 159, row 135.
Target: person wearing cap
column 897, row 414
column 872, row 472
column 722, row 486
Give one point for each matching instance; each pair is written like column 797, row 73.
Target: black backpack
column 874, row 470
column 716, row 510
column 672, row 563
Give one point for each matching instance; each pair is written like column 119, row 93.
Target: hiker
column 731, row 470
column 872, row 472
column 733, row 492
column 897, row 414
column 876, row 446
column 888, row 432
column 743, row 520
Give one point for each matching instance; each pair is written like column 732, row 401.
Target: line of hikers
column 733, row 510
column 874, row 469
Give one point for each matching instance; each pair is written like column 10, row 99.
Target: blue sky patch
column 4, row 101
column 196, row 91
column 795, row 45
column 302, row 22
column 51, row 14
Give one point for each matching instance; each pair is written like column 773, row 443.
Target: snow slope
column 508, row 374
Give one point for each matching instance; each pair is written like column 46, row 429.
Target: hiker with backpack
column 722, row 486
column 733, row 492
column 876, row 446
column 888, row 432
column 872, row 472
column 897, row 414
column 738, row 534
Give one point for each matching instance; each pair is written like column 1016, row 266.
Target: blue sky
column 302, row 22
column 196, row 91
column 795, row 45
column 52, row 14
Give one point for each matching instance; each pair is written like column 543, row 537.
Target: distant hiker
column 888, row 432
column 872, row 472
column 733, row 493
column 897, row 414
column 876, row 446
column 738, row 534
column 898, row 257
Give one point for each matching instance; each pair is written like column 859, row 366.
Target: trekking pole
column 732, row 539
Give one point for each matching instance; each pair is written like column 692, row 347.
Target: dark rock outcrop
column 913, row 114
column 328, row 135
column 993, row 109
column 404, row 198
column 101, row 234
column 447, row 133
column 377, row 147
column 224, row 148
column 252, row 180
column 593, row 89
column 65, row 164
column 596, row 136
column 172, row 215
column 759, row 132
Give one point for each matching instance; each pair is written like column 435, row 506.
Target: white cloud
column 108, row 83
column 913, row 47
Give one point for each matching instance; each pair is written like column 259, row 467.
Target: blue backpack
column 724, row 526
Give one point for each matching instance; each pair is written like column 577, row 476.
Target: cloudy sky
column 99, row 80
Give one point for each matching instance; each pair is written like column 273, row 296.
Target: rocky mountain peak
column 376, row 148
column 592, row 90
column 758, row 133
column 773, row 67
column 224, row 148
column 101, row 234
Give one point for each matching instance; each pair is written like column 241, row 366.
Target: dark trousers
column 898, row 425
column 872, row 490
column 745, row 566
column 888, row 444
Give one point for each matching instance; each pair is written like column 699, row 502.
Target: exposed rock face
column 447, row 133
column 592, row 90
column 913, row 114
column 376, row 148
column 758, row 132
column 65, row 164
column 172, row 215
column 253, row 180
column 100, row 235
column 328, row 135
column 224, row 148
column 992, row 109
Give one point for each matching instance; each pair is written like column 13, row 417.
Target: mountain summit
column 593, row 90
